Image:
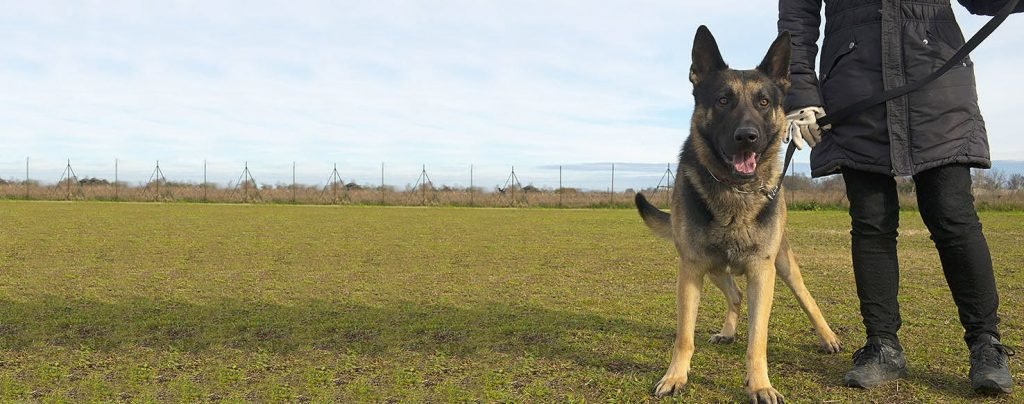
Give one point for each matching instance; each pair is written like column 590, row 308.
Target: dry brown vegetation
column 306, row 194
column 993, row 190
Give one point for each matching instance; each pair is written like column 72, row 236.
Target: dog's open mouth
column 744, row 162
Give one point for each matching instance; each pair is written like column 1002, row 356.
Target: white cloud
column 447, row 84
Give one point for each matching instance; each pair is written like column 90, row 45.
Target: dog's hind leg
column 688, row 284
column 788, row 269
column 733, row 300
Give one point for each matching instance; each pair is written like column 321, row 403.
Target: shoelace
column 994, row 356
column 866, row 353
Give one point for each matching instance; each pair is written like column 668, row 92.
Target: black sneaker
column 990, row 373
column 879, row 361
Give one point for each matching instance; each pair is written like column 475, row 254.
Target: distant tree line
column 987, row 180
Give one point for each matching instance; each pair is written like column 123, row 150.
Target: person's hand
column 803, row 126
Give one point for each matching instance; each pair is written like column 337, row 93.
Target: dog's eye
column 723, row 101
column 764, row 102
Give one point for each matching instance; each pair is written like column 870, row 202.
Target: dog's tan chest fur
column 733, row 236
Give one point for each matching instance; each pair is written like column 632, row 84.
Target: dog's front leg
column 760, row 293
column 688, row 285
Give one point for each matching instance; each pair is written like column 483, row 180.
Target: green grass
column 183, row 302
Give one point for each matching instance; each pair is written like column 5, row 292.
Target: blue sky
column 448, row 84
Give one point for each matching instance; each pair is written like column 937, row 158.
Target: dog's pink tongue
column 744, row 162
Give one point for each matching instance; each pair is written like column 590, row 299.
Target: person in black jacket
column 935, row 134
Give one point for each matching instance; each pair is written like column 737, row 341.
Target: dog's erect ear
column 776, row 63
column 707, row 58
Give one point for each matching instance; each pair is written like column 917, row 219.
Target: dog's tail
column 659, row 222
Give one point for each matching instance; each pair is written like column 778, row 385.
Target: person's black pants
column 947, row 208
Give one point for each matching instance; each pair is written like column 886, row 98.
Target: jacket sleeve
column 988, row 7
column 802, row 18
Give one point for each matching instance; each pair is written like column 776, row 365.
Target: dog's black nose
column 746, row 135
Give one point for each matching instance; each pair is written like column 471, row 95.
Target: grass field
column 195, row 302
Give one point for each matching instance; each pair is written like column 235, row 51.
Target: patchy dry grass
column 184, row 302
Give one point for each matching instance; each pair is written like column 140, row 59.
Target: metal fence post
column 611, row 196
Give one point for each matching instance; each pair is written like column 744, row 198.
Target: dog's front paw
column 766, row 395
column 830, row 344
column 722, row 339
column 670, row 384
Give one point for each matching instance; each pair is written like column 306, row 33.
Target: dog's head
column 738, row 113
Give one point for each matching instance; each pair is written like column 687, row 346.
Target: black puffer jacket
column 871, row 46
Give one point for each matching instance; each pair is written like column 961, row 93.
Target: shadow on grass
column 950, row 385
column 834, row 367
column 322, row 325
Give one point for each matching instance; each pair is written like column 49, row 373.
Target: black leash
column 887, row 95
column 772, row 193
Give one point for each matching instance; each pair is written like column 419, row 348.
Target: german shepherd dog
column 725, row 220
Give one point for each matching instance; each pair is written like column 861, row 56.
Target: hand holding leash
column 803, row 126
